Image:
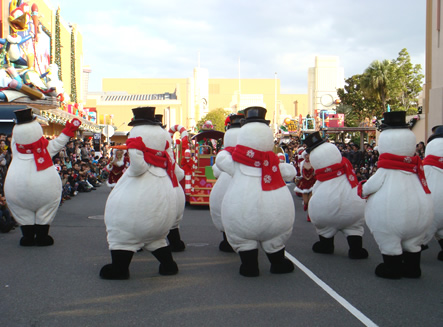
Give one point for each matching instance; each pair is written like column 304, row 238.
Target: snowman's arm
column 57, row 144
column 216, row 171
column 138, row 164
column 225, row 162
column 287, row 171
column 180, row 173
column 374, row 183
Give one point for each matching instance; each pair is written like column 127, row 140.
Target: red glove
column 71, row 127
column 360, row 190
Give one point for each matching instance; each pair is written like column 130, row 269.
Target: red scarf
column 230, row 149
column 433, row 161
column 410, row 164
column 336, row 170
column 155, row 157
column 39, row 150
column 267, row 161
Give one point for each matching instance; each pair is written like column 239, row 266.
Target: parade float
column 196, row 156
column 30, row 72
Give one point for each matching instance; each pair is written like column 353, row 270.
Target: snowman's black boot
column 411, row 265
column 224, row 245
column 280, row 264
column 41, row 236
column 119, row 268
column 440, row 254
column 249, row 263
column 325, row 245
column 391, row 267
column 167, row 263
column 356, row 250
column 175, row 242
column 28, row 238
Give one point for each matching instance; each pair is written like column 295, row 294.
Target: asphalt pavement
column 59, row 285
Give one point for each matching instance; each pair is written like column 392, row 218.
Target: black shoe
column 356, row 250
column 28, row 232
column 224, row 245
column 119, row 268
column 167, row 264
column 279, row 263
column 325, row 245
column 249, row 263
column 41, row 236
column 391, row 267
column 175, row 242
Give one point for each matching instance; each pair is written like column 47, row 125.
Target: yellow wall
column 221, row 92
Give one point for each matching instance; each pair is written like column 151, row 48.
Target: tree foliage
column 217, row 117
column 396, row 83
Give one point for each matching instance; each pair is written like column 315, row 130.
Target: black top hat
column 255, row 114
column 313, row 141
column 159, row 118
column 438, row 132
column 24, row 116
column 144, row 116
column 394, row 119
column 435, row 127
column 235, row 121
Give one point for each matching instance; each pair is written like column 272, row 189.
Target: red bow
column 267, row 161
column 407, row 163
column 336, row 170
column 39, row 150
column 433, row 161
column 155, row 157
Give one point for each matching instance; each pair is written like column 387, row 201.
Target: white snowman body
column 33, row 197
column 398, row 211
column 334, row 205
column 139, row 211
column 434, row 178
column 223, row 180
column 251, row 216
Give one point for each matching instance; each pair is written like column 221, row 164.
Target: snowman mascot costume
column 174, row 238
column 139, row 212
column 31, row 171
column 223, row 180
column 257, row 209
column 433, row 165
column 335, row 205
column 399, row 209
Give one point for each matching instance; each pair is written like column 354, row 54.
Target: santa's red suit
column 116, row 168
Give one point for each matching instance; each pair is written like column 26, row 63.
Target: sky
column 166, row 38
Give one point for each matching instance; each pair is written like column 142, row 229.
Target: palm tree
column 376, row 78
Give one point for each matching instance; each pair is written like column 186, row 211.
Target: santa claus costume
column 305, row 181
column 399, row 209
column 257, row 209
column 32, row 170
column 116, row 166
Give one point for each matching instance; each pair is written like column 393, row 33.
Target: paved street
column 59, row 285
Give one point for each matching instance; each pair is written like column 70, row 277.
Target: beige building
column 185, row 101
column 433, row 104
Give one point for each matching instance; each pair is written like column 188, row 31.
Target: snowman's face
column 400, row 141
column 27, row 133
column 435, row 147
column 324, row 155
column 230, row 138
column 154, row 137
column 257, row 136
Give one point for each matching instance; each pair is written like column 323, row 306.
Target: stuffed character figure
column 116, row 166
column 32, row 170
column 174, row 237
column 257, row 209
column 139, row 212
column 335, row 205
column 223, row 180
column 433, row 166
column 399, row 209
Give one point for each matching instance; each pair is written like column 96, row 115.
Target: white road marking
column 348, row 306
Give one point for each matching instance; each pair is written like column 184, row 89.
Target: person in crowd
column 7, row 223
